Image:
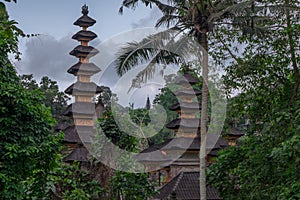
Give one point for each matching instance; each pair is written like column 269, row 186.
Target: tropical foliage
column 132, row 186
column 264, row 164
column 27, row 149
column 266, row 73
column 125, row 185
column 257, row 44
column 30, row 162
column 53, row 98
column 196, row 18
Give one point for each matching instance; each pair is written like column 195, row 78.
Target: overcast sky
column 48, row 53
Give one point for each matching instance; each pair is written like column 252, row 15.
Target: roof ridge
column 168, row 183
column 180, row 175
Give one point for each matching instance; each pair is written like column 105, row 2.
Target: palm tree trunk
column 203, row 41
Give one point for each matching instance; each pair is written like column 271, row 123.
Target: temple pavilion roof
column 214, row 144
column 185, row 106
column 184, row 123
column 89, row 68
column 84, row 36
column 190, row 92
column 84, row 51
column 185, row 186
column 81, row 87
column 85, row 20
column 186, row 78
column 193, row 144
column 78, row 154
column 235, row 132
column 78, row 134
column 80, row 108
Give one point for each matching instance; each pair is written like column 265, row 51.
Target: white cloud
column 45, row 55
column 148, row 21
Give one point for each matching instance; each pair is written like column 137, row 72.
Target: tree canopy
column 261, row 66
column 264, row 165
column 53, row 98
column 28, row 151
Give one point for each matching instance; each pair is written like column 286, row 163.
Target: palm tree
column 193, row 17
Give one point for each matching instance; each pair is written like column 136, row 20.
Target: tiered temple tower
column 83, row 109
column 178, row 158
column 181, row 152
column 186, row 126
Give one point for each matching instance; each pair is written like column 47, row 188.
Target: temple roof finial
column 85, row 20
column 148, row 104
column 85, row 9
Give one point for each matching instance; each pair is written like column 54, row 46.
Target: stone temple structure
column 83, row 109
column 175, row 165
column 179, row 179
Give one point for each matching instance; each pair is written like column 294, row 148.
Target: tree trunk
column 203, row 41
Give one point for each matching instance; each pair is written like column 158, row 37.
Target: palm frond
column 135, row 53
column 10, row 1
column 169, row 11
column 162, row 48
column 128, row 4
column 167, row 20
column 282, row 8
column 224, row 9
column 131, row 56
column 179, row 51
column 162, row 57
column 240, row 7
column 243, row 20
column 166, row 9
column 132, row 4
column 254, row 30
column 185, row 46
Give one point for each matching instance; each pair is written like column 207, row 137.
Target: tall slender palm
column 195, row 17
